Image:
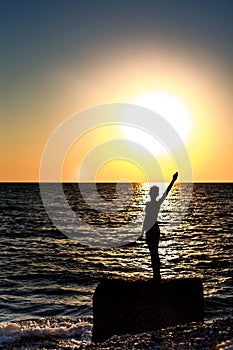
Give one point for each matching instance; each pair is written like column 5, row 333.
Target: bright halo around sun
column 168, row 107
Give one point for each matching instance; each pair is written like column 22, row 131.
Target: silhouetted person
column 151, row 228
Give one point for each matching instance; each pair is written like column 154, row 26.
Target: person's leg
column 152, row 240
column 155, row 261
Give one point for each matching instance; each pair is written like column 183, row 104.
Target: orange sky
column 38, row 100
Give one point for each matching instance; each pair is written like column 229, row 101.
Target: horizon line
column 112, row 182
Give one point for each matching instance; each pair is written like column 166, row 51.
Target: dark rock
column 135, row 306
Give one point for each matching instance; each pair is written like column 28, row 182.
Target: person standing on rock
column 151, row 228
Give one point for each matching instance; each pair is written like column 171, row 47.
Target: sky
column 62, row 57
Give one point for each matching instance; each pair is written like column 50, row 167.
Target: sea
column 48, row 277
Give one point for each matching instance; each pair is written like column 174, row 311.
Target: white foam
column 46, row 329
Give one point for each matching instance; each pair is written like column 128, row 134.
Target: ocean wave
column 75, row 334
column 31, row 334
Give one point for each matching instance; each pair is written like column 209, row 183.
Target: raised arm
column 159, row 202
column 169, row 187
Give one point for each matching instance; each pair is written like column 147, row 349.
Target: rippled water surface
column 43, row 273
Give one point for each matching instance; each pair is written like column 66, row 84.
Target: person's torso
column 151, row 214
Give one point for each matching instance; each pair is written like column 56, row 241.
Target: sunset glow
column 178, row 73
column 170, row 109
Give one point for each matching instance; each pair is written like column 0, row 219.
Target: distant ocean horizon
column 110, row 182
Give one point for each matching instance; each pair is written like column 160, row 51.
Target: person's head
column 154, row 192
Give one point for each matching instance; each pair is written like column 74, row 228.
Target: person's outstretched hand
column 175, row 176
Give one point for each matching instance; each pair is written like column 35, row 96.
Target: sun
column 171, row 109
